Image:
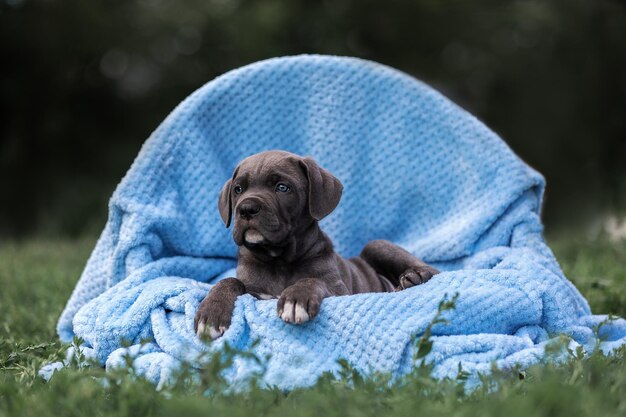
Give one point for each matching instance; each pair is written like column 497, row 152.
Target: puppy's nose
column 249, row 209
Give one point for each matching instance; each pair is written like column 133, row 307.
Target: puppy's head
column 272, row 196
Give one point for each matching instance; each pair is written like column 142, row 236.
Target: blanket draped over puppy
column 417, row 170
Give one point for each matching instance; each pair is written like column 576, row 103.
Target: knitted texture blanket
column 417, row 170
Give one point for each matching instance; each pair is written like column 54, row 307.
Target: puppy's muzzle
column 249, row 208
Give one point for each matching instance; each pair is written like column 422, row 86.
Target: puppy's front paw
column 213, row 317
column 416, row 276
column 298, row 305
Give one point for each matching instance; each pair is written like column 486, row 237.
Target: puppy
column 277, row 199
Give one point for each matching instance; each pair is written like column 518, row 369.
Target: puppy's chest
column 267, row 282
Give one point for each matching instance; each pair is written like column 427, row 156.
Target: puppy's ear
column 225, row 202
column 324, row 189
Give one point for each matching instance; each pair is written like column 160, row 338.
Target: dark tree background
column 83, row 83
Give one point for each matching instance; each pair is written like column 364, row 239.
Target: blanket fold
column 417, row 170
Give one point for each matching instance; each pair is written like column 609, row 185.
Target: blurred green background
column 83, row 83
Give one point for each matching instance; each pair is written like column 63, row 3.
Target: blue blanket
column 417, row 170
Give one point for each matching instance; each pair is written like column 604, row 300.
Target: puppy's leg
column 396, row 264
column 215, row 311
column 301, row 301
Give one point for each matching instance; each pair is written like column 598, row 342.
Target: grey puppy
column 277, row 199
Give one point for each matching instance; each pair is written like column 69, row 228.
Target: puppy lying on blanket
column 277, row 199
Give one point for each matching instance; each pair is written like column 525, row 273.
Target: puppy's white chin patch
column 253, row 236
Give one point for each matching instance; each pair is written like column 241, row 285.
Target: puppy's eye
column 283, row 188
column 238, row 189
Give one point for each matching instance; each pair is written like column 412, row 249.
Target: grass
column 37, row 277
